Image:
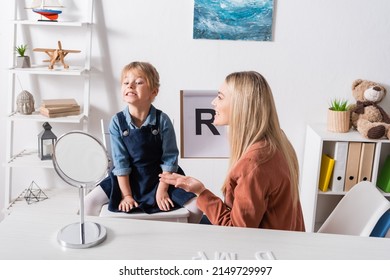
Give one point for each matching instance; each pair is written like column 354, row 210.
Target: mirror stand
column 81, row 161
column 83, row 234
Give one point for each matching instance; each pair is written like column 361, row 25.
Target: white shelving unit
column 318, row 205
column 20, row 27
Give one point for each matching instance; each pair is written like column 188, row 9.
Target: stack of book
column 53, row 108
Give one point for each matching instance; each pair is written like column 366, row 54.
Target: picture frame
column 199, row 137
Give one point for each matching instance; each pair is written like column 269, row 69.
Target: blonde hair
column 253, row 117
column 148, row 71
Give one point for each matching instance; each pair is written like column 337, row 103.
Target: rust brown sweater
column 258, row 195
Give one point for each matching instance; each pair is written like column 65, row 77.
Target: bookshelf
column 25, row 28
column 318, row 205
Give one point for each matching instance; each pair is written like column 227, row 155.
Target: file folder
column 366, row 161
column 352, row 169
column 340, row 156
column 383, row 181
column 327, row 164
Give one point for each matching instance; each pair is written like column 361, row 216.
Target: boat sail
column 47, row 8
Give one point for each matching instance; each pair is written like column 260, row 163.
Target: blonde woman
column 261, row 188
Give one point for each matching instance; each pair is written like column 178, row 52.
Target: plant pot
column 339, row 121
column 23, row 62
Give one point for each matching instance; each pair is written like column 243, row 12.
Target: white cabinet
column 317, row 205
column 25, row 26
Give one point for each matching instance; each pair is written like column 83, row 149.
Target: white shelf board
column 50, row 23
column 37, row 117
column 29, row 158
column 352, row 135
column 330, row 192
column 44, row 70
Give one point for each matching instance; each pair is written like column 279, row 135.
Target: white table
column 33, row 235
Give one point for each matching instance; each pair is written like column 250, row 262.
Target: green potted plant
column 339, row 115
column 22, row 60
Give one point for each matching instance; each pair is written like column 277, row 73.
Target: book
column 352, row 168
column 383, row 181
column 50, row 103
column 340, row 154
column 366, row 161
column 61, row 114
column 327, row 164
column 53, row 110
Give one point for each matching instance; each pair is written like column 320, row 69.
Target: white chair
column 180, row 215
column 382, row 228
column 358, row 211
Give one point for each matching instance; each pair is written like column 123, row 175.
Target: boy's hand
column 127, row 203
column 163, row 200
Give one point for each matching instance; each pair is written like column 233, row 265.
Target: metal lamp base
column 82, row 235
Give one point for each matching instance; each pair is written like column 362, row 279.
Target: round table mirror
column 81, row 161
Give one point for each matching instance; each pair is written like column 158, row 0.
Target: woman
column 261, row 188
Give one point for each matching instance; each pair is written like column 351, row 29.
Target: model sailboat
column 47, row 8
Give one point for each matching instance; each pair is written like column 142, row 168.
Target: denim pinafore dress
column 145, row 151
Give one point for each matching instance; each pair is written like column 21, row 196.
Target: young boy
column 143, row 145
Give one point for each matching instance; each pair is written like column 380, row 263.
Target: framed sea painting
column 199, row 137
column 249, row 20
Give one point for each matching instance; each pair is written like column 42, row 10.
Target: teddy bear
column 367, row 117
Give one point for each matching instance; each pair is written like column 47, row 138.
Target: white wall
column 319, row 48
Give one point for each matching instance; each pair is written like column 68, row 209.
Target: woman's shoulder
column 258, row 150
column 257, row 154
column 258, row 160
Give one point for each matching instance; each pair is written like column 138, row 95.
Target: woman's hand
column 187, row 183
column 127, row 203
column 164, row 202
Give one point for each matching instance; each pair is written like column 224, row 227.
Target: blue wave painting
column 249, row 20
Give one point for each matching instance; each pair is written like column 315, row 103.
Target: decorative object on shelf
column 56, row 55
column 25, row 103
column 45, row 8
column 368, row 118
column 81, row 161
column 34, row 194
column 46, row 141
column 339, row 116
column 22, row 60
column 53, row 108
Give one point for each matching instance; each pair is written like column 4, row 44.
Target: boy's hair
column 147, row 70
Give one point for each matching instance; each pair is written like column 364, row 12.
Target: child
column 143, row 145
